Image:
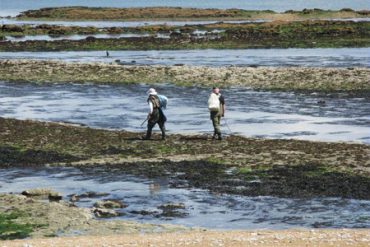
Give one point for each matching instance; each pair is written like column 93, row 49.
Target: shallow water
column 313, row 57
column 15, row 6
column 102, row 24
column 202, row 209
column 339, row 117
column 72, row 37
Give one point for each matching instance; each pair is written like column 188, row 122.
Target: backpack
column 163, row 101
column 214, row 102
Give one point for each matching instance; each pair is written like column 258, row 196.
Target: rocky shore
column 275, row 78
column 50, row 219
column 287, row 168
column 236, row 165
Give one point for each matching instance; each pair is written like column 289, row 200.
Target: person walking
column 155, row 115
column 216, row 106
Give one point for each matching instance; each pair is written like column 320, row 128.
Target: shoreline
column 266, row 78
column 265, row 238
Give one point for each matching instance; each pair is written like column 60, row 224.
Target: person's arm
column 222, row 102
column 150, row 108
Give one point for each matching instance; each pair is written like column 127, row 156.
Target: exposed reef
column 276, row 78
column 236, row 165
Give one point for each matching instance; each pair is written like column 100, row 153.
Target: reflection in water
column 326, row 117
column 154, row 188
column 316, row 57
column 202, row 209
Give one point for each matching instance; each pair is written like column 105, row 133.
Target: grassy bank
column 288, row 78
column 288, row 168
column 178, row 13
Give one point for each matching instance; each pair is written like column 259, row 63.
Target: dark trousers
column 157, row 117
column 216, row 120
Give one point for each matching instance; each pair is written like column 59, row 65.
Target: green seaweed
column 11, row 228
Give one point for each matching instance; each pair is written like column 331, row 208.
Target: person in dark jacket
column 155, row 115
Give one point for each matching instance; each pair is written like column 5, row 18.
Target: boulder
column 110, row 204
column 43, row 193
column 104, row 213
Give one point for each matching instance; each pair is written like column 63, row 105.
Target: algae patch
column 12, row 226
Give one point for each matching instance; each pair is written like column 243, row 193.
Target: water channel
column 310, row 57
column 103, row 24
column 144, row 198
column 308, row 116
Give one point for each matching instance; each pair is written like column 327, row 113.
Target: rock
column 104, row 213
column 74, row 198
column 55, row 197
column 110, row 204
column 12, row 28
column 41, row 192
column 173, row 210
column 92, row 194
column 172, row 206
column 90, row 38
column 143, row 212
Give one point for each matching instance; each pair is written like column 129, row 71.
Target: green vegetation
column 11, row 228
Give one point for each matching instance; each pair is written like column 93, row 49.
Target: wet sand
column 323, row 238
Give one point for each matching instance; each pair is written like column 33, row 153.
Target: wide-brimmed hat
column 151, row 91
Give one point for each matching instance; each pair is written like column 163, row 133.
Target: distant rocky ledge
column 178, row 13
column 272, row 78
column 221, row 35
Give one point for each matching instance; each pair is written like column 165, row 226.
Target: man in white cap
column 155, row 115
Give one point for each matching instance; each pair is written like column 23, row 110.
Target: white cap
column 151, row 91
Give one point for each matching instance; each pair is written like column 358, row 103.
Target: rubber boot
column 163, row 129
column 147, row 136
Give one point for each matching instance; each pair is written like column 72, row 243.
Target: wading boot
column 214, row 136
column 147, row 136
